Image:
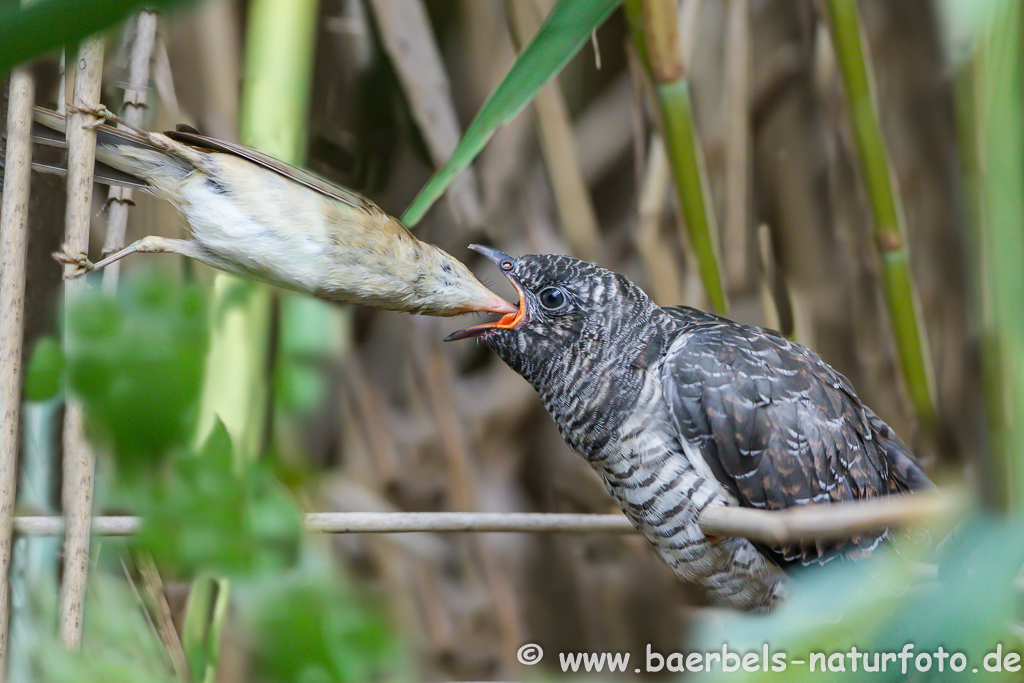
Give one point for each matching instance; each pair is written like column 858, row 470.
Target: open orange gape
column 506, row 264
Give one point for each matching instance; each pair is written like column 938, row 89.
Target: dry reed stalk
column 408, row 38
column 737, row 144
column 79, row 462
column 558, row 146
column 120, row 198
column 801, row 524
column 660, row 261
column 13, row 245
column 437, row 380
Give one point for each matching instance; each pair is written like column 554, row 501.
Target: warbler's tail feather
column 123, row 157
column 52, row 129
column 166, row 158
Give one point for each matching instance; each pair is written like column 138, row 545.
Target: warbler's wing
column 189, row 136
column 54, row 124
column 777, row 426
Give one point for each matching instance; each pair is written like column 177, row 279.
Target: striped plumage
column 677, row 409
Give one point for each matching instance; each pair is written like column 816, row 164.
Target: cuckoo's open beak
column 505, row 263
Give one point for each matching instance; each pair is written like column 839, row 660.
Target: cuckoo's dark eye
column 553, row 299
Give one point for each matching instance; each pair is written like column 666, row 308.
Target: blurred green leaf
column 32, row 28
column 136, row 362
column 309, row 627
column 44, row 376
column 118, row 645
column 971, row 609
column 880, row 605
column 563, row 33
column 205, row 616
column 209, row 517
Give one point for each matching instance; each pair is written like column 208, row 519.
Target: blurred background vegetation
column 849, row 173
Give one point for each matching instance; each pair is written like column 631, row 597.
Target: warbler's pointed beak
column 498, row 305
column 505, row 263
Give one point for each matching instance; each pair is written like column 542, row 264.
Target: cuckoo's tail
column 905, row 471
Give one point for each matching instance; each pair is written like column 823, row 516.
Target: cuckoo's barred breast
column 678, row 409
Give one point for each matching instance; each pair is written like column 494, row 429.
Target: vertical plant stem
column 13, row 244
column 407, row 36
column 1002, row 198
column 558, row 145
column 198, row 638
column 886, row 206
column 275, row 100
column 79, row 463
column 655, row 32
column 278, row 67
column 659, row 259
column 273, row 115
column 970, row 121
column 62, row 97
column 120, row 198
column 737, row 143
column 164, row 622
column 35, row 560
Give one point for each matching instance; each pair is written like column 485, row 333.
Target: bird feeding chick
column 677, row 409
column 253, row 215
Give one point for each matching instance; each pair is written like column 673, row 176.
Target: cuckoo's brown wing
column 778, row 427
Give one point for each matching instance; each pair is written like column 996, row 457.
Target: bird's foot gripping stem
column 81, row 262
column 98, row 111
column 104, row 115
column 147, row 245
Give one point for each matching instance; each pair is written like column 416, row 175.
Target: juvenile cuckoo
column 677, row 409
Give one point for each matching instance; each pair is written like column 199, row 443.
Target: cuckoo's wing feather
column 777, row 426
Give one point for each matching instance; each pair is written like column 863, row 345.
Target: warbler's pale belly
column 269, row 247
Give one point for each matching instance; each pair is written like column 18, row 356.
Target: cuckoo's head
column 573, row 317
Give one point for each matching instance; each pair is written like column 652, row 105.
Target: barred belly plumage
column 662, row 493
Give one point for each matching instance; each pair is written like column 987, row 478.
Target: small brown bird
column 253, row 215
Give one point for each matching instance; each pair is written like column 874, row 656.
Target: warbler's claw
column 104, row 115
column 100, row 111
column 80, row 261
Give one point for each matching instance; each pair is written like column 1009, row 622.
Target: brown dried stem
column 802, row 524
column 408, row 38
column 558, row 145
column 120, row 198
column 13, row 244
column 79, row 463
